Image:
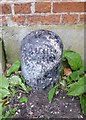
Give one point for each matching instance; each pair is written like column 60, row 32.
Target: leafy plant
column 14, row 68
column 77, row 88
column 75, row 83
column 23, row 100
column 73, row 58
column 8, row 89
column 83, row 103
column 52, row 92
column 4, row 84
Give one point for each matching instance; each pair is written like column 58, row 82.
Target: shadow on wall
column 2, row 56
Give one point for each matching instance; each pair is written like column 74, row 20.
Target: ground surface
column 38, row 106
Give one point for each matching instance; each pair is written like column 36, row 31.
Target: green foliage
column 4, row 84
column 75, row 83
column 83, row 103
column 23, row 100
column 9, row 114
column 0, row 111
column 16, row 81
column 14, row 68
column 8, row 89
column 77, row 88
column 73, row 58
column 76, row 75
column 52, row 92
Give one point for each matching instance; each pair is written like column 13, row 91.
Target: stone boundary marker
column 41, row 58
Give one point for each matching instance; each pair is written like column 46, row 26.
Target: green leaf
column 24, row 87
column 75, row 75
column 14, row 68
column 4, row 93
column 77, row 88
column 23, row 100
column 6, row 115
column 23, row 79
column 4, row 83
column 12, row 111
column 74, row 59
column 16, row 81
column 0, row 109
column 52, row 92
column 83, row 103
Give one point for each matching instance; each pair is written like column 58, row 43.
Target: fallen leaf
column 67, row 71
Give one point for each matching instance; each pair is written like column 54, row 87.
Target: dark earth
column 38, row 106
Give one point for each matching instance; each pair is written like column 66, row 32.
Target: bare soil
column 38, row 106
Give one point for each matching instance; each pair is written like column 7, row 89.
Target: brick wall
column 42, row 12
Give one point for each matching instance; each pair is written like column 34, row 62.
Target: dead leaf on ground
column 67, row 71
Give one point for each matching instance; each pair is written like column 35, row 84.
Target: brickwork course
column 42, row 12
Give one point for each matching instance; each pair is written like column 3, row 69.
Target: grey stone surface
column 72, row 37
column 41, row 56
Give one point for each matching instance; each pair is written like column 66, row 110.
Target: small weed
column 23, row 99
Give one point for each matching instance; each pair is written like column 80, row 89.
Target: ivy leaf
column 52, row 92
column 83, row 103
column 73, row 58
column 23, row 100
column 14, row 68
column 77, row 88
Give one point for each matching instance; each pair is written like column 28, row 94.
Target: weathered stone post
column 41, row 55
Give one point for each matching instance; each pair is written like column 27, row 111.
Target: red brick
column 83, row 18
column 22, row 8
column 5, row 9
column 18, row 19
column 4, row 22
column 69, row 18
column 43, row 7
column 69, row 7
column 44, row 20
